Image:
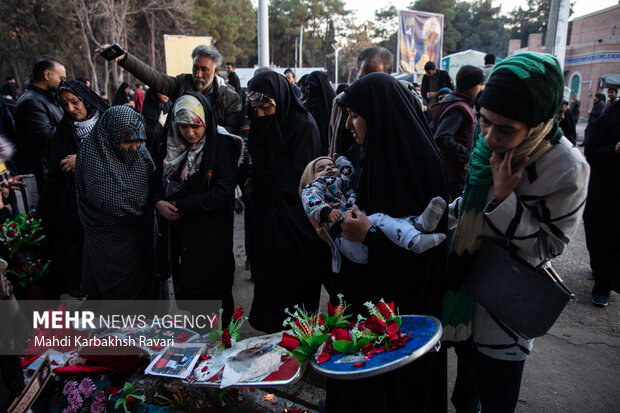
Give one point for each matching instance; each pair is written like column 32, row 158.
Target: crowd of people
column 405, row 179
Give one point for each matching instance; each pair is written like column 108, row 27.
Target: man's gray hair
column 209, row 52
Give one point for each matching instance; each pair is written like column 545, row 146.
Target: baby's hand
column 334, row 215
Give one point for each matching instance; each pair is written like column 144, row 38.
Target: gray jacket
column 227, row 102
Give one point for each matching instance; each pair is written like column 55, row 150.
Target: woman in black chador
column 283, row 139
column 320, row 98
column 113, row 173
column 400, row 171
column 58, row 206
column 600, row 217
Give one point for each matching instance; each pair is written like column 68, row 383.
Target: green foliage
column 176, row 400
column 351, row 347
column 30, row 272
column 308, row 347
column 231, row 23
column 129, row 391
column 481, row 27
column 524, row 22
column 322, row 20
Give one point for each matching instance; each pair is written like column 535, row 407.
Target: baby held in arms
column 326, row 183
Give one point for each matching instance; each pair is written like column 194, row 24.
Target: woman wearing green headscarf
column 524, row 180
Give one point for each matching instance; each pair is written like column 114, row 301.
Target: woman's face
column 500, row 133
column 73, row 105
column 357, row 125
column 262, row 108
column 131, row 146
column 192, row 133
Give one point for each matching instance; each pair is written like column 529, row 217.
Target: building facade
column 593, row 51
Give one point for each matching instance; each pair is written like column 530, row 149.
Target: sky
column 365, row 9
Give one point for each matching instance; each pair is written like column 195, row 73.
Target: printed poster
column 420, row 40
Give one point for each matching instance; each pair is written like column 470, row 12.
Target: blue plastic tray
column 425, row 334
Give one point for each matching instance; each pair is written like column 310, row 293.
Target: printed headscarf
column 183, row 159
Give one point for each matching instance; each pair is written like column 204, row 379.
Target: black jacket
column 36, row 117
column 444, row 81
column 203, row 237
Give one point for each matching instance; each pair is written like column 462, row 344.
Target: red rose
column 113, row 391
column 392, row 328
column 11, row 233
column 323, row 357
column 238, row 313
column 337, row 310
column 386, row 310
column 181, row 338
column 131, row 402
column 289, row 342
column 375, row 324
column 226, row 338
column 13, row 225
column 341, row 334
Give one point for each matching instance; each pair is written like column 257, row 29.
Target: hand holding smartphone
column 111, row 52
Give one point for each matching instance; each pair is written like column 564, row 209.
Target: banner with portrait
column 420, row 40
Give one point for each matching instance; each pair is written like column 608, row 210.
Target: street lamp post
column 336, row 50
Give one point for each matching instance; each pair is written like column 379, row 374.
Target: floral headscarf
column 183, row 159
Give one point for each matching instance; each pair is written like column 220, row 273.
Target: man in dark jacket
column 567, row 123
column 223, row 98
column 36, row 117
column 597, row 110
column 433, row 81
column 454, row 123
column 233, row 79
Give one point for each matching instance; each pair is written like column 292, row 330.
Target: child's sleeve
column 346, row 168
column 313, row 200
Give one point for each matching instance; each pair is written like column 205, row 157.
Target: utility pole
column 336, row 50
column 301, row 42
column 263, row 33
column 557, row 29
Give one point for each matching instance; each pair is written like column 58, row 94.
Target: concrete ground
column 574, row 368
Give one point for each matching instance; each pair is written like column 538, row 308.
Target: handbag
column 525, row 298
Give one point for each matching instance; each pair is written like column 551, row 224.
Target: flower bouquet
column 23, row 231
column 319, row 335
column 30, row 272
column 83, row 397
column 226, row 335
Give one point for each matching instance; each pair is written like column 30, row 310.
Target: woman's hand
column 168, row 210
column 355, row 225
column 68, row 163
column 504, row 178
column 17, row 181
